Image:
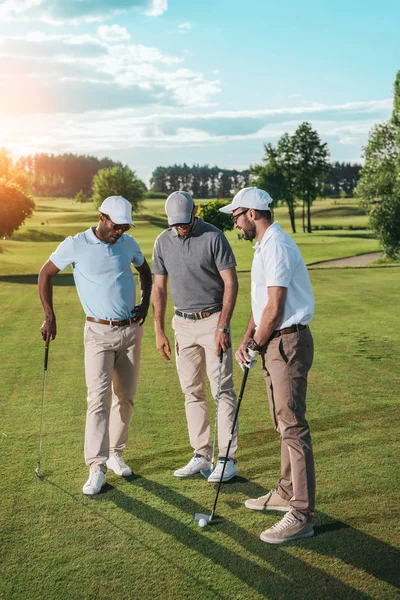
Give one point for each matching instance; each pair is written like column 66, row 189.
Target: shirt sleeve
column 223, row 254
column 279, row 264
column 137, row 255
column 63, row 256
column 157, row 262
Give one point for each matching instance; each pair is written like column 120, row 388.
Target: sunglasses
column 117, row 227
column 235, row 218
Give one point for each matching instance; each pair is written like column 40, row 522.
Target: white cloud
column 157, row 8
column 61, row 12
column 185, row 27
column 113, row 33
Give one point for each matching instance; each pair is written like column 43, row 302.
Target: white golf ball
column 202, row 522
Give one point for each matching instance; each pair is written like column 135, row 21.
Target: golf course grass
column 138, row 538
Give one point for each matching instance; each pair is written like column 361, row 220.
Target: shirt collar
column 90, row 236
column 268, row 234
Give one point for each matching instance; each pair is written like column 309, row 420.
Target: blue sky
column 153, row 82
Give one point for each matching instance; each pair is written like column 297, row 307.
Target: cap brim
column 229, row 208
column 178, row 219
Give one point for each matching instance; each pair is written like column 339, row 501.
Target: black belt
column 287, row 330
column 113, row 323
column 203, row 314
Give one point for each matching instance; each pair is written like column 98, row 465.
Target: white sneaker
column 116, row 464
column 230, row 471
column 94, row 484
column 197, row 464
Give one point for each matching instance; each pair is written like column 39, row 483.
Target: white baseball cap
column 118, row 209
column 250, row 197
column 179, row 208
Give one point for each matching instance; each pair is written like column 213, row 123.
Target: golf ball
column 202, row 522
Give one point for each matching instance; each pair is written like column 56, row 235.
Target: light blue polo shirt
column 102, row 273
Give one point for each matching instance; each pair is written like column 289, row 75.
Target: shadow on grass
column 284, row 575
column 333, row 538
column 31, row 279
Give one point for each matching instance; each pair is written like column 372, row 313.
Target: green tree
column 118, row 181
column 276, row 174
column 379, row 187
column 15, row 207
column 209, row 212
column 312, row 167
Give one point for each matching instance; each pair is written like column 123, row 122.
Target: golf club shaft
column 245, row 374
column 221, row 358
column 46, row 359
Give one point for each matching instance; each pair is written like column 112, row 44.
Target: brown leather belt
column 286, row 330
column 111, row 323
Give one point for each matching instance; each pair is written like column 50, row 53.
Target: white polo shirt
column 278, row 262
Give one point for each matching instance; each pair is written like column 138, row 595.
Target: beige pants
column 196, row 357
column 287, row 361
column 112, row 356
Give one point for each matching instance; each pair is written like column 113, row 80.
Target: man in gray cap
column 282, row 307
column 203, row 284
column 101, row 259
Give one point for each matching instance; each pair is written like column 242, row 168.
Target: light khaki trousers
column 287, row 361
column 112, row 357
column 196, row 357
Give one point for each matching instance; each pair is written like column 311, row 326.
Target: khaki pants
column 195, row 358
column 112, row 356
column 288, row 359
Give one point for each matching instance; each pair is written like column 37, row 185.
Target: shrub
column 209, row 212
column 385, row 221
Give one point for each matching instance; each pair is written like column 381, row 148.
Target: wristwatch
column 252, row 345
column 223, row 329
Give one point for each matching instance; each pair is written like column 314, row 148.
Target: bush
column 385, row 221
column 81, row 197
column 209, row 212
column 118, row 181
column 15, row 207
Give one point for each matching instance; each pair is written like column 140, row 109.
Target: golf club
column 201, row 517
column 46, row 358
column 207, row 472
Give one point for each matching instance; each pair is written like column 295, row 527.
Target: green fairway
column 55, row 219
column 138, row 538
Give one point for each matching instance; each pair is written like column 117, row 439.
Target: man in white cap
column 282, row 307
column 101, row 259
column 203, row 285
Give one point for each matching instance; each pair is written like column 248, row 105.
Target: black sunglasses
column 116, row 227
column 235, row 218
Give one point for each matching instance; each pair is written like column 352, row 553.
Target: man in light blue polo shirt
column 101, row 259
column 282, row 303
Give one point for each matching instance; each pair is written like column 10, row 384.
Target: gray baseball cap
column 179, row 208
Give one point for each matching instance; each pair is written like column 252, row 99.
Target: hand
column 48, row 329
column 222, row 340
column 163, row 346
column 139, row 313
column 245, row 356
column 241, row 353
column 251, row 362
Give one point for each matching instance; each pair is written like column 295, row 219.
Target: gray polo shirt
column 193, row 264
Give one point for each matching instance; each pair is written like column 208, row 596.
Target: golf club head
column 206, row 472
column 199, row 516
column 37, row 473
